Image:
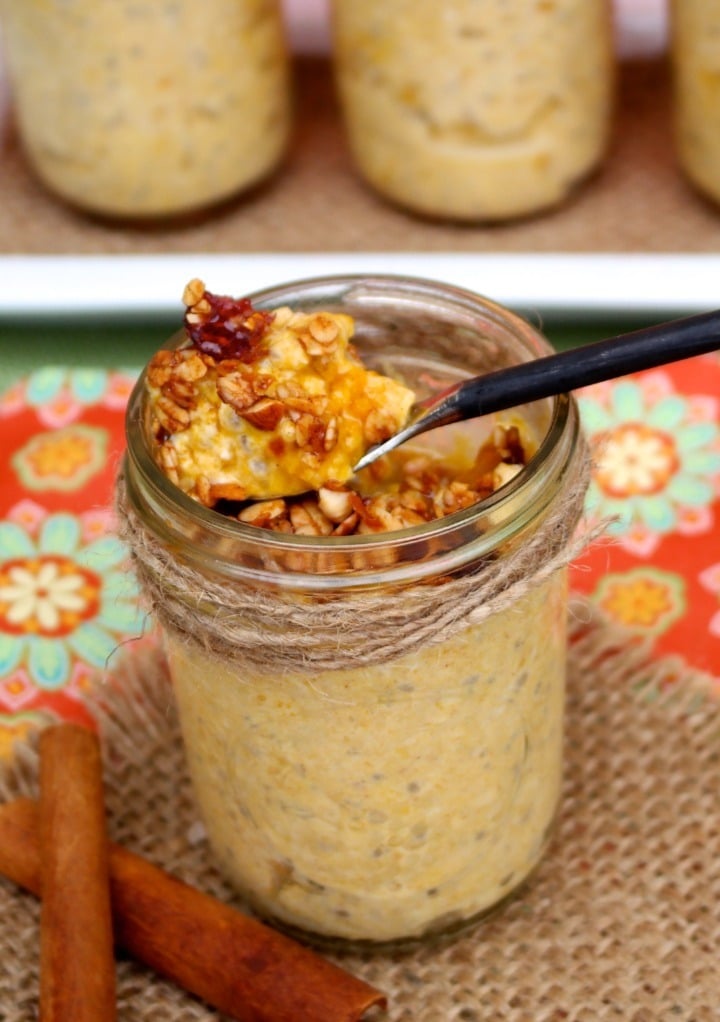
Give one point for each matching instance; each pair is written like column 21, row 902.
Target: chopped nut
column 331, row 434
column 288, row 390
column 264, row 513
column 180, row 392
column 506, row 440
column 265, row 413
column 412, row 500
column 311, row 346
column 318, row 334
column 236, row 391
column 348, row 525
column 308, row 405
column 416, row 465
column 226, row 366
column 283, row 316
column 282, row 525
column 382, row 514
column 203, row 491
column 168, row 461
column 190, row 368
column 308, row 520
column 172, row 417
column 381, row 470
column 310, row 433
column 226, row 491
column 504, row 473
column 335, row 504
column 159, row 368
column 379, row 426
column 194, row 290
column 453, row 497
column 323, row 329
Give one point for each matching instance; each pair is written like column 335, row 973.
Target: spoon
column 557, row 374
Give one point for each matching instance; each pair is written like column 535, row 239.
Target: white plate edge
column 576, row 284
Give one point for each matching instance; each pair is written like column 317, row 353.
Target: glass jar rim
column 198, row 533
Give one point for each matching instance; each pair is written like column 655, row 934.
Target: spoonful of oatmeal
column 258, row 404
column 556, row 374
column 255, row 405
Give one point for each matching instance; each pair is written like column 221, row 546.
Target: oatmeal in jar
column 696, row 64
column 369, row 673
column 475, row 110
column 143, row 109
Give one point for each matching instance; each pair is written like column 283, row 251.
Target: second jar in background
column 475, row 109
column 148, row 109
column 696, row 60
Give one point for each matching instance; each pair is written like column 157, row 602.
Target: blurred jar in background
column 148, row 107
column 695, row 34
column 475, row 109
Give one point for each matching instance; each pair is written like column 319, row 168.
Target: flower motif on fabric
column 63, row 600
column 645, row 600
column 61, row 459
column 60, row 395
column 656, row 456
column 48, row 595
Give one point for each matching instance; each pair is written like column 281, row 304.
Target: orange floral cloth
column 656, row 441
column 66, row 603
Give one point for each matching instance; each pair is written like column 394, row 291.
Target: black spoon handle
column 579, row 367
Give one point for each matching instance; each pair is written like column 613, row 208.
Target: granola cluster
column 260, row 404
column 398, row 491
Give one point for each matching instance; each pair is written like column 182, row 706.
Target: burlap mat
column 639, row 201
column 622, row 920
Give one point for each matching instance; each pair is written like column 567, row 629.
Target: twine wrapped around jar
column 375, row 721
column 271, row 630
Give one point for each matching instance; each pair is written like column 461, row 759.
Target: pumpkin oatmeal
column 370, row 672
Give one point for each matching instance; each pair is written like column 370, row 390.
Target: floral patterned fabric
column 66, row 599
column 67, row 603
column 656, row 441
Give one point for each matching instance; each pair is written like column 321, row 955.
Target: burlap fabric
column 638, row 201
column 621, row 921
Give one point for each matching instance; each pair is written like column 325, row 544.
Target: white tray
column 572, row 285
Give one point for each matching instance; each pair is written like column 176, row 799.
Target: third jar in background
column 475, row 109
column 696, row 59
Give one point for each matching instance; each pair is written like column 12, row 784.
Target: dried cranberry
column 230, row 328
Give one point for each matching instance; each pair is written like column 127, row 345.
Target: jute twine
column 269, row 630
column 621, row 921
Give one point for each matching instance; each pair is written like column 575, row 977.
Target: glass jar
column 475, row 110
column 145, row 109
column 695, row 47
column 413, row 787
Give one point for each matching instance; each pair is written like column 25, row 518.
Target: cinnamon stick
column 77, row 962
column 236, row 964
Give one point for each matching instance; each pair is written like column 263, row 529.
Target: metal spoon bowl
column 557, row 374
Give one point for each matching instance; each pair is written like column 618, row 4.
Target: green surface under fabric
column 26, row 344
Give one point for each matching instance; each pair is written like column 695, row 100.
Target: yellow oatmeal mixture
column 385, row 801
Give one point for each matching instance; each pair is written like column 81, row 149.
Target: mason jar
column 143, row 109
column 695, row 50
column 475, row 110
column 374, row 723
